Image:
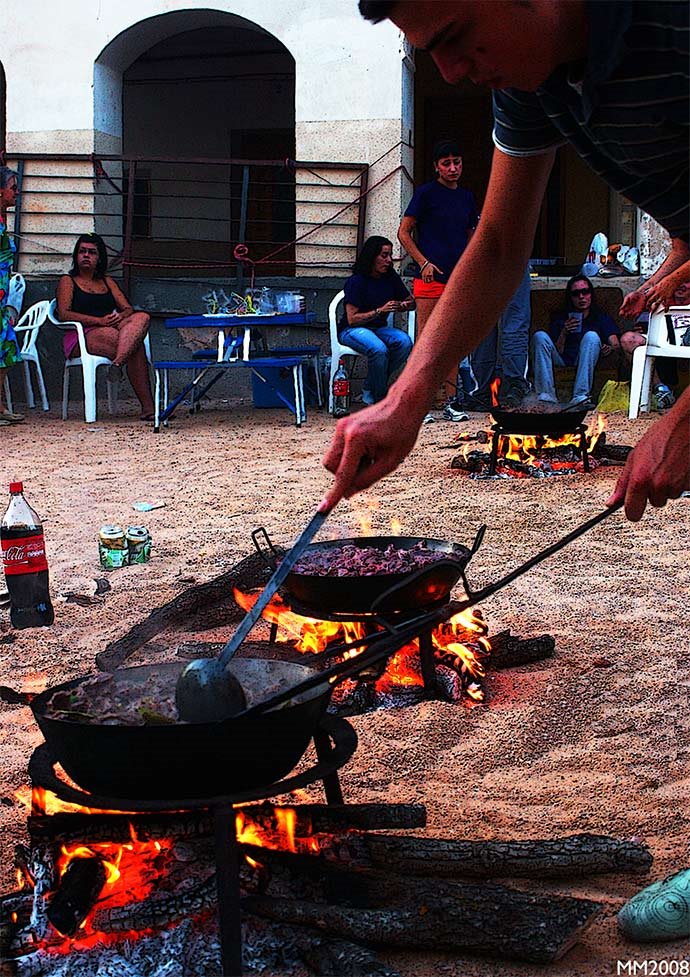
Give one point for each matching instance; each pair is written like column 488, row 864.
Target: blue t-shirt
column 597, row 322
column 443, row 220
column 367, row 293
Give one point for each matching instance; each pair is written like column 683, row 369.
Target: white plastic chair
column 27, row 330
column 338, row 349
column 88, row 363
column 664, row 336
column 15, row 295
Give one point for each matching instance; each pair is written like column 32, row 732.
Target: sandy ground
column 596, row 739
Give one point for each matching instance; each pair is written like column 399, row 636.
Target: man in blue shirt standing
column 611, row 79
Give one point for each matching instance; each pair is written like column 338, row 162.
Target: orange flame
column 495, row 387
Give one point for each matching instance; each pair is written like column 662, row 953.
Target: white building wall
column 348, row 79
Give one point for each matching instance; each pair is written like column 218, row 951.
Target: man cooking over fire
column 611, row 79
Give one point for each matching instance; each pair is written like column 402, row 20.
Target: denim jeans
column 504, row 351
column 386, row 350
column 545, row 356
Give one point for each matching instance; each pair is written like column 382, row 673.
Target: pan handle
column 413, row 578
column 270, row 554
column 478, row 539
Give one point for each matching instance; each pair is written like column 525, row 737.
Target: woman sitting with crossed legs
column 112, row 328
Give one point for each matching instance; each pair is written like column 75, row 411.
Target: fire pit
column 552, row 426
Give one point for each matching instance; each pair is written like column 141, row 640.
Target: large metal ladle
column 206, row 691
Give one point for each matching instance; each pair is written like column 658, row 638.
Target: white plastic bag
column 598, row 250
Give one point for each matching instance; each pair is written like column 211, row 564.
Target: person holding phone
column 372, row 292
column 577, row 337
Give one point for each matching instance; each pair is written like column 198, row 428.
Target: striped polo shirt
column 625, row 110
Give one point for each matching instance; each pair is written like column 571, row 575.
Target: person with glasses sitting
column 577, row 337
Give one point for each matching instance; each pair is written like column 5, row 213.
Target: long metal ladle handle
column 387, row 643
column 286, row 565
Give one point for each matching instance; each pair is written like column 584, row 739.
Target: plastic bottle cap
column 16, row 487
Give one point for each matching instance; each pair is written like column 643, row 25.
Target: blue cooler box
column 281, row 379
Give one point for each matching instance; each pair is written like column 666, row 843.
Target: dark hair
column 6, row 175
column 101, row 264
column 370, row 251
column 376, row 10
column 568, row 300
column 443, row 148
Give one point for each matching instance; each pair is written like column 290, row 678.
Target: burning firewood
column 157, row 912
column 309, row 818
column 80, row 887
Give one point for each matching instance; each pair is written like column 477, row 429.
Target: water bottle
column 341, row 391
column 24, row 562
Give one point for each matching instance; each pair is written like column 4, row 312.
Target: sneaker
column 582, row 403
column 10, row 417
column 663, row 396
column 452, row 413
column 429, row 418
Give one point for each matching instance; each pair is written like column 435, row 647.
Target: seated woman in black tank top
column 111, row 326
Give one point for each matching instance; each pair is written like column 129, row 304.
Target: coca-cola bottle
column 341, row 391
column 24, row 562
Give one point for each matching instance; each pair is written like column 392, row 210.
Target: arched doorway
column 176, row 95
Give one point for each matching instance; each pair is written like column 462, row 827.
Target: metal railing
column 167, row 217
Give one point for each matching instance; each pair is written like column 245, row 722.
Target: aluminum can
column 138, row 544
column 112, row 547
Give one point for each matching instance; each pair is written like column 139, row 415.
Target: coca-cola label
column 341, row 388
column 24, row 554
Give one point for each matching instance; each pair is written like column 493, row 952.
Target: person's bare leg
column 131, row 333
column 137, row 367
column 102, row 341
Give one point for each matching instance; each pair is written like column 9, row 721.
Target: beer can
column 112, row 547
column 138, row 544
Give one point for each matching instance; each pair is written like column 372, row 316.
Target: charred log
column 322, row 818
column 570, row 857
column 476, row 918
column 157, row 913
column 509, row 651
column 337, row 958
column 204, row 605
column 189, row 825
column 80, row 887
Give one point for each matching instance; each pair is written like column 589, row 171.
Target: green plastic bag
column 614, row 396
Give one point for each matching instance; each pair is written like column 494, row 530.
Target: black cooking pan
column 259, row 746
column 182, row 760
column 415, row 590
column 552, row 424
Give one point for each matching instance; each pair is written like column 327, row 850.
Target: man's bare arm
column 373, row 442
